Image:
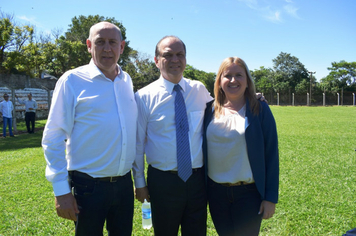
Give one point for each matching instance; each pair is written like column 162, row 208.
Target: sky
column 317, row 32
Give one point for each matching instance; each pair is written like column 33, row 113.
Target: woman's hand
column 267, row 209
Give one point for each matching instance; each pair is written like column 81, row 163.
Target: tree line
column 23, row 51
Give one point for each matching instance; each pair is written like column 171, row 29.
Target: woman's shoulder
column 263, row 105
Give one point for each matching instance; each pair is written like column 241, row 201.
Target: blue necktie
column 182, row 137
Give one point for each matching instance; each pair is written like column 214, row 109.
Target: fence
column 339, row 99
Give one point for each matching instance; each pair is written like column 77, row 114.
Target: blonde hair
column 250, row 92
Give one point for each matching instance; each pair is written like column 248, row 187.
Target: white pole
column 338, row 99
column 292, row 99
column 324, row 99
column 277, row 99
column 307, row 99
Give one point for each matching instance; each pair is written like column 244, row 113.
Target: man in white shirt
column 89, row 140
column 30, row 112
column 174, row 202
column 6, row 108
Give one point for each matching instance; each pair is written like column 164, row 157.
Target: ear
column 122, row 46
column 156, row 61
column 89, row 45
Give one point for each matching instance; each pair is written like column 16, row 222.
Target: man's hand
column 267, row 209
column 260, row 97
column 142, row 194
column 66, row 206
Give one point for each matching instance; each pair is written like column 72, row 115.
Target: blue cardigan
column 262, row 149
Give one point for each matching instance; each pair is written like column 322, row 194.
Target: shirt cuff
column 61, row 188
column 140, row 182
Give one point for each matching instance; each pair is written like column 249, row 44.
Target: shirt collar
column 94, row 71
column 170, row 86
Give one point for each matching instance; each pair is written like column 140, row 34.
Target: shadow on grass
column 21, row 141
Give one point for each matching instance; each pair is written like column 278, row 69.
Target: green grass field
column 317, row 178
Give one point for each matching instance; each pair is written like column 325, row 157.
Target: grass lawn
column 317, row 178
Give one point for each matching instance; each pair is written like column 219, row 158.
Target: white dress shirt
column 156, row 131
column 227, row 150
column 29, row 104
column 98, row 118
column 6, row 108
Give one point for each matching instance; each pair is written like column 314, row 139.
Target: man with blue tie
column 171, row 111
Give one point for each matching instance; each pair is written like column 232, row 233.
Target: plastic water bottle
column 146, row 215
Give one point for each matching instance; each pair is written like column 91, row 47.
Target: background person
column 6, row 108
column 241, row 149
column 30, row 113
column 94, row 109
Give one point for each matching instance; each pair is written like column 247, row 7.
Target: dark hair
column 157, row 52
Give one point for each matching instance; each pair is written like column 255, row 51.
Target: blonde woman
column 241, row 153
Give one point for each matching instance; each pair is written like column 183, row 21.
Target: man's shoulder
column 194, row 83
column 197, row 87
column 125, row 73
column 79, row 72
column 151, row 88
column 85, row 69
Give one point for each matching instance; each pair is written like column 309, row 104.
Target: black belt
column 193, row 170
column 111, row 179
column 240, row 183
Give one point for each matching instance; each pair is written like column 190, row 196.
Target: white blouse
column 227, row 152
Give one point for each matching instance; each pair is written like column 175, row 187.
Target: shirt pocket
column 196, row 121
column 158, row 124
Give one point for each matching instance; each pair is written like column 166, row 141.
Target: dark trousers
column 30, row 117
column 177, row 203
column 234, row 210
column 99, row 201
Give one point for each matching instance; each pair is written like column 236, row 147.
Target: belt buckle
column 112, row 180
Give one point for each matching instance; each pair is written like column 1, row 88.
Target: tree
column 12, row 41
column 141, row 69
column 289, row 72
column 263, row 79
column 208, row 79
column 303, row 87
column 343, row 71
column 331, row 84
